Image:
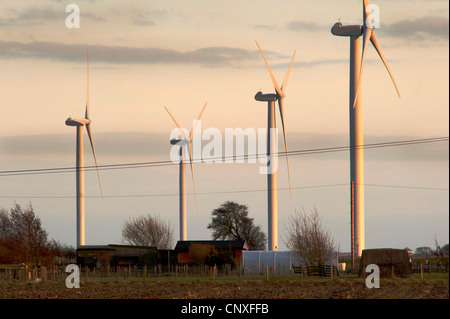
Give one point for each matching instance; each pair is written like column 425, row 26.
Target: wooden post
column 421, row 272
column 144, row 273
column 267, row 273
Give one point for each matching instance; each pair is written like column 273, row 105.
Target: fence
column 441, row 268
column 278, row 262
column 29, row 273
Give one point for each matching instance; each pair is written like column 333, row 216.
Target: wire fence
column 57, row 273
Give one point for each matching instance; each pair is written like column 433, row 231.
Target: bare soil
column 249, row 289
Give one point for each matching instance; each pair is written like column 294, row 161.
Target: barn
column 390, row 261
column 116, row 255
column 185, row 249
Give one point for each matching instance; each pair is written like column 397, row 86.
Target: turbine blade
column 87, row 94
column 274, row 81
column 195, row 124
column 286, row 78
column 193, row 175
column 366, row 37
column 88, row 128
column 281, row 106
column 178, row 125
column 374, row 41
column 365, row 4
column 190, row 153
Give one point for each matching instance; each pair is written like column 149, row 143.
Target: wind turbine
column 356, row 120
column 79, row 123
column 186, row 140
column 272, row 150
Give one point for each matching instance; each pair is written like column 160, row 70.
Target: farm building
column 390, row 261
column 120, row 255
column 188, row 250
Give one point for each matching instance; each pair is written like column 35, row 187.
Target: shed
column 184, row 254
column 116, row 255
column 389, row 260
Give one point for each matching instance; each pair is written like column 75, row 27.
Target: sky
column 145, row 55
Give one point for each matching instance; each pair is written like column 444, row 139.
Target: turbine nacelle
column 77, row 122
column 266, row 97
column 347, row 31
column 180, row 142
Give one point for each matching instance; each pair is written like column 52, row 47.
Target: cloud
column 300, row 25
column 209, row 56
column 34, row 15
column 148, row 18
column 121, row 147
column 431, row 27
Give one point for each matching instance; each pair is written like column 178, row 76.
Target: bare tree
column 306, row 236
column 148, row 231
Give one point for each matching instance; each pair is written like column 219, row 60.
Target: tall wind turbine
column 187, row 140
column 79, row 123
column 356, row 120
column 272, row 150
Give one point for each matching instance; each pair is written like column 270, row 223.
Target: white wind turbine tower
column 272, row 150
column 356, row 120
column 79, row 123
column 187, row 140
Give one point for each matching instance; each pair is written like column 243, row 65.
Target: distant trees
column 306, row 235
column 148, row 231
column 231, row 222
column 24, row 240
column 445, row 250
column 426, row 252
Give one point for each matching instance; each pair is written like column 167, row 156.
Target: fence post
column 144, row 273
column 421, row 272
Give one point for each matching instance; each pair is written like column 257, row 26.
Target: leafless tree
column 306, row 236
column 148, row 231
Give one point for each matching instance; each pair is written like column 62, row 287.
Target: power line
column 223, row 158
column 225, row 192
